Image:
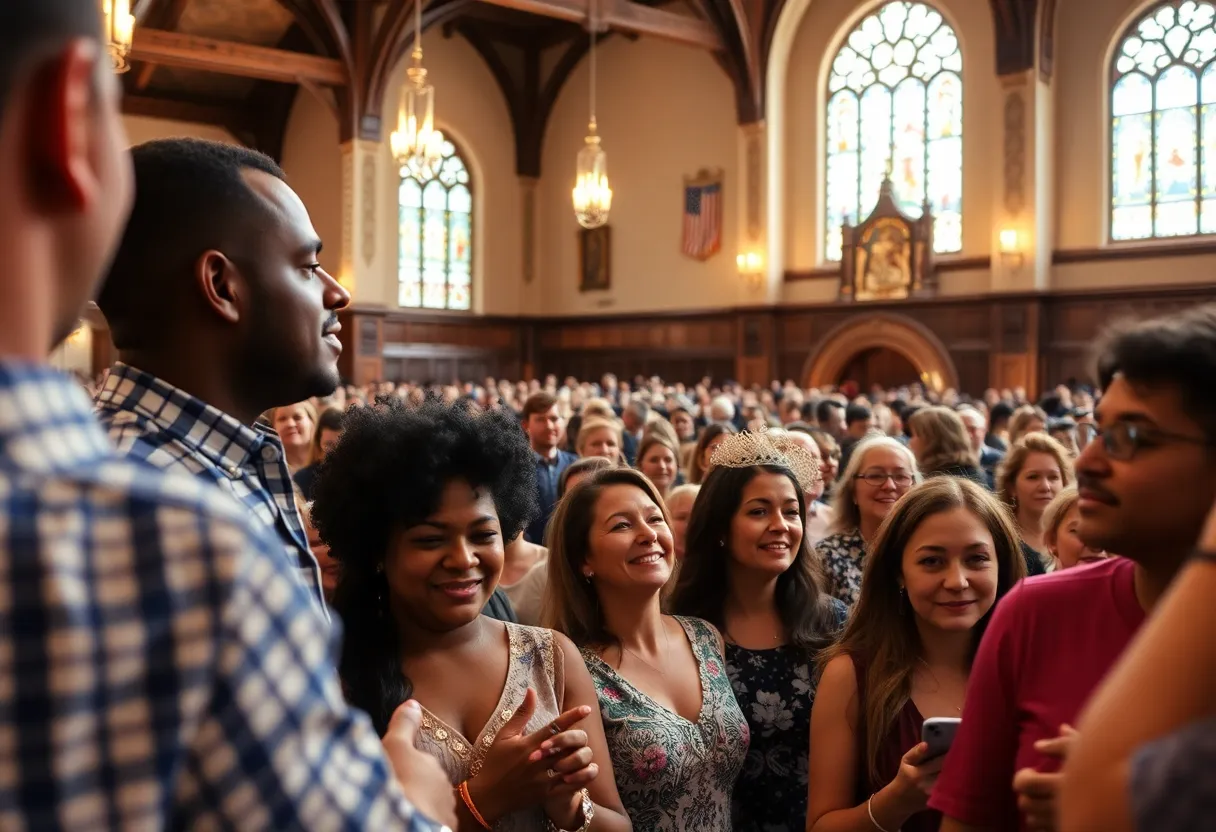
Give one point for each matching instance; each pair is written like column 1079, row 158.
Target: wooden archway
column 913, row 340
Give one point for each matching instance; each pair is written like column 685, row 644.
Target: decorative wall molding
column 1015, row 153
column 369, row 208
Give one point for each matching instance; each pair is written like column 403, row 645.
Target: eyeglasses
column 879, row 478
column 1122, row 440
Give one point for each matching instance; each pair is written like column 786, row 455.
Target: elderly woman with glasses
column 880, row 471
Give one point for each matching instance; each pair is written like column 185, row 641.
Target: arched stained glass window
column 895, row 97
column 1163, row 124
column 435, row 261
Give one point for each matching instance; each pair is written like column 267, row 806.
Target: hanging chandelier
column 416, row 144
column 119, row 31
column 592, row 195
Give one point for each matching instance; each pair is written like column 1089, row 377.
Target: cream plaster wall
column 665, row 111
column 312, row 162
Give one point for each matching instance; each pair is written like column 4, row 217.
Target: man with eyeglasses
column 1146, row 481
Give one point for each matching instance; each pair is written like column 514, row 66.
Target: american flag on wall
column 702, row 215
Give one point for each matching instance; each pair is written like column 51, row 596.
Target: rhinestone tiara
column 750, row 448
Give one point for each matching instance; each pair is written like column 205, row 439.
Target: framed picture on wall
column 594, row 258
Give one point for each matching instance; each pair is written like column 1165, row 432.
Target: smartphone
column 938, row 732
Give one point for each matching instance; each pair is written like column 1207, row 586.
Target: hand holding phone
column 938, row 733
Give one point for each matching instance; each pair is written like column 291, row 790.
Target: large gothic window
column 1163, row 124
column 895, row 101
column 435, row 261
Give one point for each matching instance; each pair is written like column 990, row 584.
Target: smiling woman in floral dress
column 750, row 572
column 675, row 733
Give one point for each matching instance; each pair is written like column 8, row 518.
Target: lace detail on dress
column 674, row 775
column 536, row 662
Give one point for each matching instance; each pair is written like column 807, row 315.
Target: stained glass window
column 895, row 98
column 1163, row 124
column 435, row 262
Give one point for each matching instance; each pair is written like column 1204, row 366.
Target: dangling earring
column 588, row 576
column 903, row 600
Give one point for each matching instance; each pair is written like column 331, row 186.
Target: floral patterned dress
column 674, row 775
column 776, row 690
column 842, row 555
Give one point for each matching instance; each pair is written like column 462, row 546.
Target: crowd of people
column 235, row 593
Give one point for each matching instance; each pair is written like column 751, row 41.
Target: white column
column 752, row 206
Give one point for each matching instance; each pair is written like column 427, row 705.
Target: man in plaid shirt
column 159, row 667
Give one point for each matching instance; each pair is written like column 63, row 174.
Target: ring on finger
column 550, row 773
column 553, row 729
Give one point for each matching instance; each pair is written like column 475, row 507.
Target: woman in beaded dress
column 416, row 503
column 750, row 572
column 675, row 732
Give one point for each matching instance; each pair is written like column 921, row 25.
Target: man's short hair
column 640, row 409
column 823, row 410
column 33, row 28
column 1176, row 350
column 857, row 413
column 537, row 403
column 190, row 196
column 999, row 414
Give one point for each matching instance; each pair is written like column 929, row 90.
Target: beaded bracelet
column 463, row 790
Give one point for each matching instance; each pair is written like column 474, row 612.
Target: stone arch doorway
column 888, row 345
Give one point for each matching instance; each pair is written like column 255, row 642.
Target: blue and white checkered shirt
column 152, row 420
column 159, row 669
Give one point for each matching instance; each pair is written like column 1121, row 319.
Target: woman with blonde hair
column 938, row 438
column 324, row 439
column 710, row 438
column 945, row 556
column 295, row 424
column 680, row 501
column 675, row 733
column 881, row 470
column 659, row 459
column 1034, row 471
column 1061, row 526
column 600, row 437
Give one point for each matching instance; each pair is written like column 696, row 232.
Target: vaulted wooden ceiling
column 238, row 64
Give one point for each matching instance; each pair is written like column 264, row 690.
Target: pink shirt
column 1048, row 645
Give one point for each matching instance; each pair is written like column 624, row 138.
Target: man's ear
column 221, row 285
column 63, row 100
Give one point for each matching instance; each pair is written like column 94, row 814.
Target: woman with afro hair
column 416, row 503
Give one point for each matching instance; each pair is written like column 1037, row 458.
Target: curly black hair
column 387, row 473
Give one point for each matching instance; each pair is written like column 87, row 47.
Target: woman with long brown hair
column 943, row 558
column 751, row 573
column 675, row 733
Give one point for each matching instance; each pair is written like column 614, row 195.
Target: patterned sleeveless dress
column 537, row 663
column 674, row 775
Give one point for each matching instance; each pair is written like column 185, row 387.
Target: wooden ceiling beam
column 626, row 16
column 161, row 17
column 229, row 58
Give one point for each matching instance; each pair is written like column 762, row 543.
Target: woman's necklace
column 666, row 652
column 936, row 681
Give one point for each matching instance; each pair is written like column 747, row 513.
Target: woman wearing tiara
column 675, row 733
column 751, row 573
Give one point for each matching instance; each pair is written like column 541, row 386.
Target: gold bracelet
column 463, row 789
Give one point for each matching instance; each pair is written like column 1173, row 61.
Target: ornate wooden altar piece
column 889, row 255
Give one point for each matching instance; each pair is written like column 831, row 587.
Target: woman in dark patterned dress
column 945, row 556
column 750, row 572
column 675, row 733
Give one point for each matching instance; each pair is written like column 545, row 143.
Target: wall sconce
column 751, row 266
column 1011, row 249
